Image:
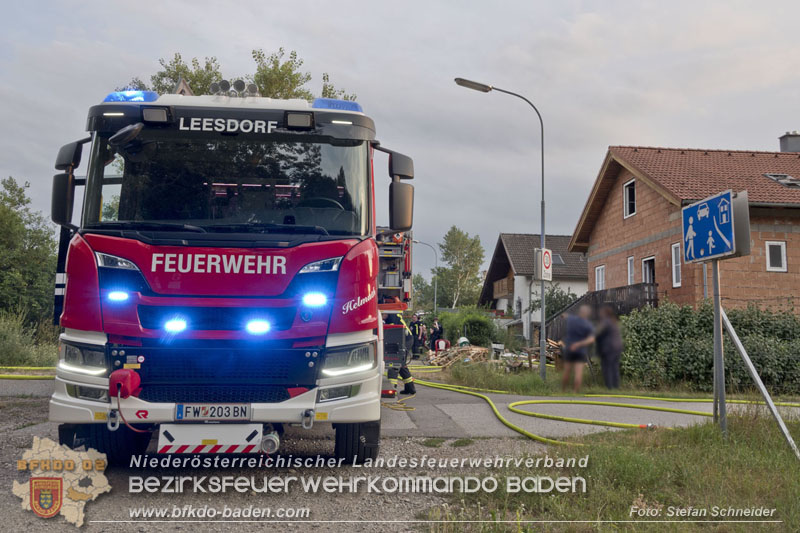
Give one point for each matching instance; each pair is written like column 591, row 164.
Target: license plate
column 212, row 411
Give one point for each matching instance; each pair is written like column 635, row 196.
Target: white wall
column 524, row 291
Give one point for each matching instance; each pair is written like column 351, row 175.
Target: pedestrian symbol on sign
column 708, row 228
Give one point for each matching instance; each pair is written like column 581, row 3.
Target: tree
column 423, row 293
column 27, row 254
column 555, row 299
column 276, row 75
column 460, row 281
column 198, row 76
column 329, row 91
column 281, row 79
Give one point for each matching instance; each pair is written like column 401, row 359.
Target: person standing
column 580, row 335
column 416, row 332
column 437, row 332
column 609, row 346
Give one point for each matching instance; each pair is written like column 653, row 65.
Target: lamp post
column 435, row 277
column 482, row 87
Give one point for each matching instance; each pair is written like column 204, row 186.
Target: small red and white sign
column 544, row 267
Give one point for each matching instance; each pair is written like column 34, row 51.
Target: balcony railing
column 622, row 299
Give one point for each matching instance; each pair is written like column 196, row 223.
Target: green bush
column 19, row 346
column 473, row 324
column 674, row 345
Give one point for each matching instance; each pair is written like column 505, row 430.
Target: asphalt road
column 440, row 413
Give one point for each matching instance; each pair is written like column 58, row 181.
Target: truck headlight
column 349, row 360
column 82, row 360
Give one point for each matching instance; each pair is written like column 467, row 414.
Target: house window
column 776, row 256
column 785, row 179
column 631, row 271
column 629, row 198
column 649, row 270
column 600, row 278
column 558, row 260
column 676, row 264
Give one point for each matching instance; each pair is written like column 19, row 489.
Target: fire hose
column 477, row 392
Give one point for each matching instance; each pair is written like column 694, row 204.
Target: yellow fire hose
column 473, row 391
column 26, row 376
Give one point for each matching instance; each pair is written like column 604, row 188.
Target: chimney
column 790, row 141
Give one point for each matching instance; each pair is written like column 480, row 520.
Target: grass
column 691, row 466
column 23, row 345
column 433, row 442
column 460, row 443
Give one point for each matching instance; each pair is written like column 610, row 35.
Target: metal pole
column 719, row 360
column 760, row 384
column 705, row 281
column 542, row 329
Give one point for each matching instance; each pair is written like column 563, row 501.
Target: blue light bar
column 340, row 105
column 175, row 325
column 117, row 296
column 314, row 299
column 132, row 96
column 257, row 327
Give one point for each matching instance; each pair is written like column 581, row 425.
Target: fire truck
column 220, row 284
column 394, row 295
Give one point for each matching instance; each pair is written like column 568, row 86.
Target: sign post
column 710, row 231
column 543, row 272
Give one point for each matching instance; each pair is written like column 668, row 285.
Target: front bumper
column 363, row 407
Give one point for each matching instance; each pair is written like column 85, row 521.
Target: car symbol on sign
column 702, row 211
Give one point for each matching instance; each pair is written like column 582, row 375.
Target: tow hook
column 270, row 442
column 113, row 420
column 308, row 419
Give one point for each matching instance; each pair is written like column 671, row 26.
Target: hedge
column 671, row 345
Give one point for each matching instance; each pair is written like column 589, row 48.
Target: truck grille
column 217, row 318
column 205, row 371
column 220, row 366
column 214, row 393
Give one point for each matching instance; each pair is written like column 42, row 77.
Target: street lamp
column 482, row 87
column 435, row 277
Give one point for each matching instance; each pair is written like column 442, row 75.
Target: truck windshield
column 164, row 182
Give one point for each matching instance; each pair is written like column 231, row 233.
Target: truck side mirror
column 401, row 166
column 63, row 199
column 69, row 156
column 401, row 205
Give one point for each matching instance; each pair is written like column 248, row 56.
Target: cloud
column 601, row 73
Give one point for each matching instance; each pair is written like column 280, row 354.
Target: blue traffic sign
column 708, row 228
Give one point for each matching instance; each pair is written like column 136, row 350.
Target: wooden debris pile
column 467, row 354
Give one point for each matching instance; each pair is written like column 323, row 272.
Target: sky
column 678, row 74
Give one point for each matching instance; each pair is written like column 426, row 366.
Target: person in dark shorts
column 580, row 335
column 609, row 346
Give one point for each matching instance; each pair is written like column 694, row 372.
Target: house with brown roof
column 630, row 227
column 508, row 286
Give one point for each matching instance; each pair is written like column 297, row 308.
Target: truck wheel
column 358, row 442
column 118, row 445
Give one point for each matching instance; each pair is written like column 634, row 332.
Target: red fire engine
column 222, row 281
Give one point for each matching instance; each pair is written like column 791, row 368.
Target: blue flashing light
column 257, row 327
column 175, row 325
column 314, row 299
column 132, row 96
column 335, row 104
column 118, row 296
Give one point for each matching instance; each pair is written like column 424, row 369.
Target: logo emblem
column 46, row 495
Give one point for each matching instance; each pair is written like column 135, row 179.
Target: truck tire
column 358, row 442
column 118, row 445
